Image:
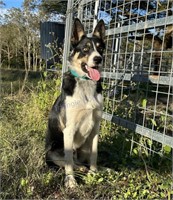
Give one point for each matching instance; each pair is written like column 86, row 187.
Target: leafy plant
column 121, row 175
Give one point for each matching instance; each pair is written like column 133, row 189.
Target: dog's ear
column 77, row 31
column 99, row 30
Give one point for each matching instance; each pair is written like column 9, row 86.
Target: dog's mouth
column 92, row 72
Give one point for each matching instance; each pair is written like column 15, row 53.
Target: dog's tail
column 55, row 158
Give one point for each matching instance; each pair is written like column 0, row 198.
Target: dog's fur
column 73, row 126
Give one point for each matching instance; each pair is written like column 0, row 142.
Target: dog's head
column 86, row 57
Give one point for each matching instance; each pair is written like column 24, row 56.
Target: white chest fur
column 83, row 110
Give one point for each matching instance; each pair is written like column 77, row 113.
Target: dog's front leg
column 94, row 148
column 68, row 150
column 93, row 155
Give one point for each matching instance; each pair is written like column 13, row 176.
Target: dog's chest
column 83, row 109
column 84, row 97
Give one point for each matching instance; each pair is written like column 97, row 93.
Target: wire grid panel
column 138, row 66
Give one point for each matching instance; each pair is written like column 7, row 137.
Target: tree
column 56, row 7
column 9, row 44
column 21, row 25
column 2, row 4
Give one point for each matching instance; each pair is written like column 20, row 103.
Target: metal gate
column 138, row 66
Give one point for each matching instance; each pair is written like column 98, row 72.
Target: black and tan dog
column 73, row 128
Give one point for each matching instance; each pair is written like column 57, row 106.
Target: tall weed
column 23, row 130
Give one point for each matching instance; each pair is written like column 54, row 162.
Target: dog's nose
column 97, row 59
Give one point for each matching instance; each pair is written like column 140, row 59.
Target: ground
column 125, row 171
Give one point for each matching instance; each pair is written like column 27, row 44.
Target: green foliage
column 56, row 53
column 128, row 184
column 144, row 103
column 167, row 149
column 22, row 140
column 49, row 6
column 20, row 41
column 23, row 128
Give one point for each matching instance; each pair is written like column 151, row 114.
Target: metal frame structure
column 138, row 66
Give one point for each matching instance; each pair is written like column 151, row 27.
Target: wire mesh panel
column 138, row 64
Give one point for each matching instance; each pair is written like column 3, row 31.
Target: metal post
column 69, row 15
column 95, row 13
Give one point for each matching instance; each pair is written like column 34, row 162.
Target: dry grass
column 24, row 174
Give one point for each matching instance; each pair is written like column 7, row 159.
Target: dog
column 73, row 125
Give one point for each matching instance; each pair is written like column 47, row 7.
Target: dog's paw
column 93, row 170
column 70, row 181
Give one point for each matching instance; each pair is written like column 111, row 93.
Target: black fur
column 58, row 121
column 99, row 87
column 55, row 135
column 69, row 83
column 80, row 47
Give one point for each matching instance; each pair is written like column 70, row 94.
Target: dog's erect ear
column 99, row 30
column 77, row 31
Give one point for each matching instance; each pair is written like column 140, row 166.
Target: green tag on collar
column 74, row 73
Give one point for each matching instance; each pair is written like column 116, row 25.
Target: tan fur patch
column 80, row 34
column 97, row 34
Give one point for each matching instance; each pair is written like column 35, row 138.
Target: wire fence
column 138, row 64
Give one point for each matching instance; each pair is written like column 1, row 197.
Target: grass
column 24, row 174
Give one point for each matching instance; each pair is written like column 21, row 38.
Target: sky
column 12, row 3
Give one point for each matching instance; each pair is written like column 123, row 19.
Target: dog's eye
column 86, row 49
column 100, row 49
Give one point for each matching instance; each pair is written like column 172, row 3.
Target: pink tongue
column 94, row 74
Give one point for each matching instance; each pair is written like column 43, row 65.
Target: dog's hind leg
column 87, row 153
column 55, row 158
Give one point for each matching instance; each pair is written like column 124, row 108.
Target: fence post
column 95, row 13
column 68, row 25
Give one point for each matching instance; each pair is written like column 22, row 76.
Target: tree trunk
column 26, row 69
column 29, row 53
column 0, row 55
column 34, row 54
column 25, row 57
column 8, row 57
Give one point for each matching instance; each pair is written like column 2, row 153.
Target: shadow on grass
column 12, row 80
column 120, row 148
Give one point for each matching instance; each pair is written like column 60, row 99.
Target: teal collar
column 75, row 74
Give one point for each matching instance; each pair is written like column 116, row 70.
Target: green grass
column 24, row 174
